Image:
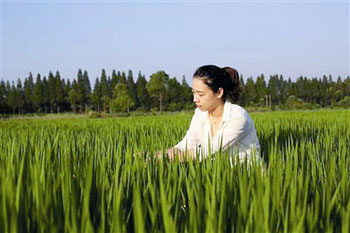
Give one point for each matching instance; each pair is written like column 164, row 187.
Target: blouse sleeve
column 191, row 139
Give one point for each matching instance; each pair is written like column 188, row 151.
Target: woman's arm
column 187, row 146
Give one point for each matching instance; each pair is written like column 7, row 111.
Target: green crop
column 79, row 175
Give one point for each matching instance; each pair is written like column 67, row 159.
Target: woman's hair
column 215, row 77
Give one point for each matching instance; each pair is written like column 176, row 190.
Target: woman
column 217, row 123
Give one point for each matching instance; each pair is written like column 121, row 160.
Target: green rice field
column 80, row 175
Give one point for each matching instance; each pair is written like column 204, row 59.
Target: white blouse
column 236, row 133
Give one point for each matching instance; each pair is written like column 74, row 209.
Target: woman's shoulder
column 239, row 116
column 236, row 111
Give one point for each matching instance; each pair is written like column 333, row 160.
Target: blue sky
column 285, row 37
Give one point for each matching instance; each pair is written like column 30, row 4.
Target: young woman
column 217, row 123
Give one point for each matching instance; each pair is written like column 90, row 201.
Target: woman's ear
column 220, row 93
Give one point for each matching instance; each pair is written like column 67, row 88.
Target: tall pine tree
column 38, row 94
column 28, row 93
column 131, row 88
column 142, row 93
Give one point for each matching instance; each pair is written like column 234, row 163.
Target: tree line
column 119, row 93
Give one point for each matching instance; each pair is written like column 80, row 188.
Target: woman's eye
column 193, row 93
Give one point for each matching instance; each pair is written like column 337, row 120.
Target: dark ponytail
column 235, row 90
column 226, row 78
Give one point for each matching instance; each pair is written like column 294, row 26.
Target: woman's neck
column 217, row 111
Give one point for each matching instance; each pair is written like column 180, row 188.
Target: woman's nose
column 195, row 99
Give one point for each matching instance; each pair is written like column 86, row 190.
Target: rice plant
column 80, row 175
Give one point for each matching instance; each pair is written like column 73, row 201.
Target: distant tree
column 80, row 90
column 28, row 93
column 87, row 88
column 324, row 86
column 104, row 83
column 73, row 97
column 122, row 101
column 96, row 96
column 242, row 97
column 3, row 97
column 173, row 95
column 282, row 89
column 186, row 91
column 115, row 79
column 272, row 89
column 157, row 86
column 12, row 98
column 315, row 91
column 261, row 89
column 300, row 88
column 59, row 89
column 292, row 87
column 106, row 101
column 123, row 78
column 294, row 103
column 251, row 92
column 38, row 99
column 346, row 86
column 308, row 94
column 338, row 89
column 131, row 88
column 84, row 90
column 16, row 97
column 20, row 101
column 67, row 87
column 65, row 105
column 345, row 102
column 46, row 95
column 142, row 93
column 52, row 92
column 110, row 90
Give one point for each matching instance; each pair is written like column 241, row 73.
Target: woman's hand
column 173, row 152
column 159, row 154
column 170, row 153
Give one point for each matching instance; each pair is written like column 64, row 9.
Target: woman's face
column 204, row 97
